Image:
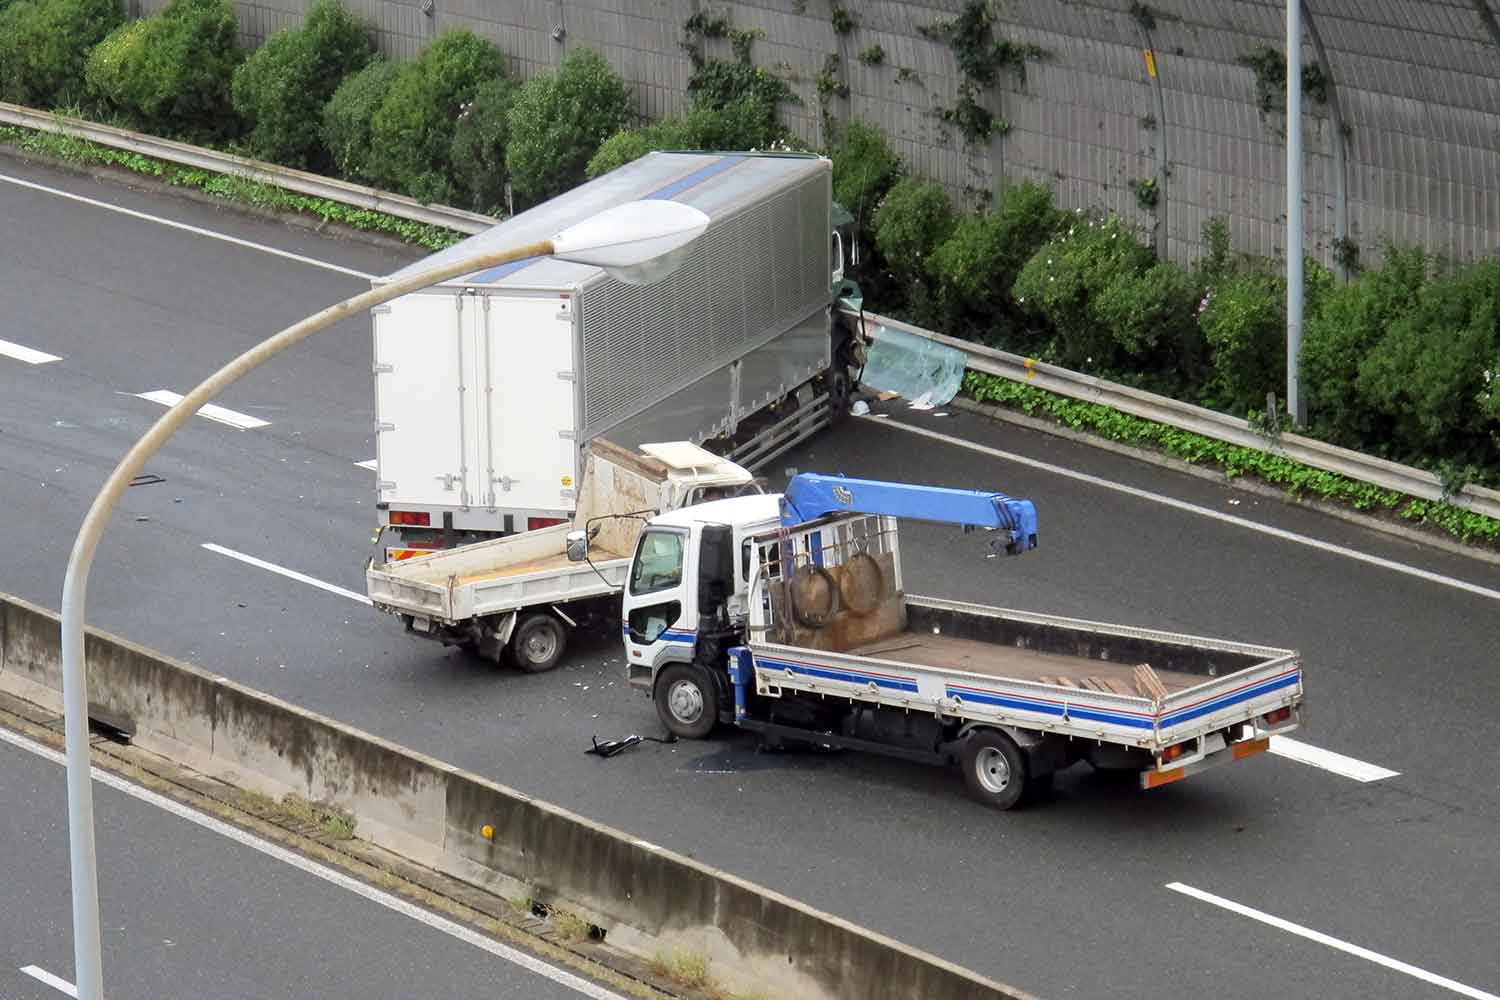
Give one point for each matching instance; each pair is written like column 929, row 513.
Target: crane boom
column 810, row 496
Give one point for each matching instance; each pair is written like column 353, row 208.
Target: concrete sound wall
column 1405, row 147
column 647, row 898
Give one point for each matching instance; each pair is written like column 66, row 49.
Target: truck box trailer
column 489, row 387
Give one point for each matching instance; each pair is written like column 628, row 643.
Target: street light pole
column 1296, row 406
column 637, row 242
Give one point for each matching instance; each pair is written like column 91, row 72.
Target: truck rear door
column 420, row 356
column 529, row 449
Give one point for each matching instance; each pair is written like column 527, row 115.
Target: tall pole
column 1296, row 406
column 637, row 242
column 87, row 971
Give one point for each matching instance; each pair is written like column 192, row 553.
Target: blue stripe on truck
column 1049, row 708
column 1218, row 704
column 830, row 674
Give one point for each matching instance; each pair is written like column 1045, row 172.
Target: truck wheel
column 840, row 392
column 539, row 643
column 685, row 701
column 994, row 768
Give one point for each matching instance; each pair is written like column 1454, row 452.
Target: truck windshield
column 658, row 562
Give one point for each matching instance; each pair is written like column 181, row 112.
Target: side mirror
column 578, row 546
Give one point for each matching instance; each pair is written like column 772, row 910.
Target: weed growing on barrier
column 230, row 187
column 1234, row 460
column 570, row 926
column 685, row 968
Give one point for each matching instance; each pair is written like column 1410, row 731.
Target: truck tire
column 538, row 643
column 994, row 768
column 685, row 701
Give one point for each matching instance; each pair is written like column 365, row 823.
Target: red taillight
column 535, row 523
column 1173, row 752
column 416, row 518
column 1280, row 715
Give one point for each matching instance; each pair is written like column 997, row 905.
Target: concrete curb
column 1244, row 484
column 647, row 898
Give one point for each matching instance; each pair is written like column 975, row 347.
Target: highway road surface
column 1360, row 861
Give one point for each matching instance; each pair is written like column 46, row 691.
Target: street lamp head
column 639, row 242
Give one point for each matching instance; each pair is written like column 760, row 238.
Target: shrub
column 1064, row 279
column 171, row 73
column 280, row 90
column 1427, row 374
column 558, row 122
column 44, row 45
column 1152, row 316
column 346, row 118
column 911, row 222
column 975, row 268
column 864, row 168
column 1347, row 326
column 1245, row 326
column 738, row 126
column 411, row 133
column 479, row 139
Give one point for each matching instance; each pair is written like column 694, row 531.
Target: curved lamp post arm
column 86, row 939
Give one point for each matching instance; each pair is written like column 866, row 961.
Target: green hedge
column 346, row 130
column 44, row 45
column 411, row 133
column 558, row 122
column 171, row 73
column 281, row 89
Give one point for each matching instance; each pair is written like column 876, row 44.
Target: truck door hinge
column 380, row 310
column 506, row 482
column 382, row 426
column 447, row 479
column 565, row 435
column 384, row 485
column 384, row 369
column 568, row 494
column 565, row 376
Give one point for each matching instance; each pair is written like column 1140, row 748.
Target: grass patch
column 334, row 823
column 1234, row 460
column 685, row 968
column 230, row 187
column 570, row 926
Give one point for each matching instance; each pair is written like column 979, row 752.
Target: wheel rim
column 685, row 702
column 541, row 645
column 992, row 770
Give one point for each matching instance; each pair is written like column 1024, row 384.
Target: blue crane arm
column 810, row 496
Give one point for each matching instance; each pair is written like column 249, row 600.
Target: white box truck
column 488, row 387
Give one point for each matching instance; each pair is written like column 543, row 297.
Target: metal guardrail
column 300, row 181
column 1148, row 406
column 1209, row 423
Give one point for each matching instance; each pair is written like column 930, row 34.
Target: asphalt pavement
column 1066, row 899
column 189, row 913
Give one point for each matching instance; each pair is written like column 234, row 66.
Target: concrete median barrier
column 648, row 899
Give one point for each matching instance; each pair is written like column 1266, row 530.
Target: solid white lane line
column 195, row 230
column 288, row 573
column 26, row 354
column 1333, row 942
column 451, row 928
column 368, row 464
column 1265, row 529
column 56, row 982
column 242, row 421
column 1306, row 753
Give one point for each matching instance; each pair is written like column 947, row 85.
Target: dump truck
column 489, row 387
column 518, row 597
column 787, row 615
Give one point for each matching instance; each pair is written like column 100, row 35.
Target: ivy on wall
column 981, row 58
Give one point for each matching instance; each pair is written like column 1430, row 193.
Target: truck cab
column 684, row 597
